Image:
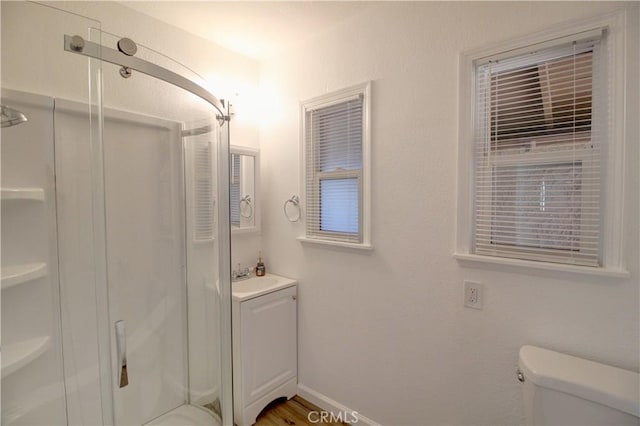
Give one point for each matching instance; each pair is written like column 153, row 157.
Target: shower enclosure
column 116, row 302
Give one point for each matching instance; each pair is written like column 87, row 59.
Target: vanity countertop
column 257, row 286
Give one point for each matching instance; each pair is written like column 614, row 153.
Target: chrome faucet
column 240, row 274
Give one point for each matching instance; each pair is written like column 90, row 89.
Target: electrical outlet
column 472, row 295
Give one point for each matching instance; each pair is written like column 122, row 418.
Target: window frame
column 363, row 175
column 614, row 27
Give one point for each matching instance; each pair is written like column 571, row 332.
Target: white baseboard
column 334, row 407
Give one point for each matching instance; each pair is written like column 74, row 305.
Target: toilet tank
column 560, row 389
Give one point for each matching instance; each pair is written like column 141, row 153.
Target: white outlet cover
column 473, row 294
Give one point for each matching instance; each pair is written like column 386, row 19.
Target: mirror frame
column 255, row 153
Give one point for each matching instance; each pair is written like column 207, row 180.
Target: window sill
column 367, row 248
column 467, row 258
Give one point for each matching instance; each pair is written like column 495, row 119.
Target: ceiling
column 254, row 29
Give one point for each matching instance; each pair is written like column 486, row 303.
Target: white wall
column 245, row 246
column 386, row 333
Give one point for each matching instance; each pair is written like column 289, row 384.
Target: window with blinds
column 334, row 139
column 538, row 146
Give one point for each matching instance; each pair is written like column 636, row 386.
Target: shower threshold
column 186, row 415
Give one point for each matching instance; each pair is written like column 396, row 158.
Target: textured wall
column 386, row 333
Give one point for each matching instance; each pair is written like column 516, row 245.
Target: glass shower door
column 164, row 164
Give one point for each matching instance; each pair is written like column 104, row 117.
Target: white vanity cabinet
column 264, row 344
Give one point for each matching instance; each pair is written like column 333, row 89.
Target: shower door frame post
column 224, row 260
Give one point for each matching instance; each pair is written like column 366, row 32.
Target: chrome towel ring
column 248, row 206
column 295, row 202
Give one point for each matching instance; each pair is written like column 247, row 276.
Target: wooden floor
column 292, row 412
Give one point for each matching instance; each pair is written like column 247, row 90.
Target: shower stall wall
column 134, row 187
column 32, row 375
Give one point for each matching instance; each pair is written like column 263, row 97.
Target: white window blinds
column 334, row 161
column 538, row 140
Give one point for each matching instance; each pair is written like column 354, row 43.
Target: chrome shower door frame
column 95, row 50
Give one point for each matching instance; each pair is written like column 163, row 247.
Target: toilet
column 560, row 389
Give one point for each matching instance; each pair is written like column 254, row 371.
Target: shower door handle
column 121, row 344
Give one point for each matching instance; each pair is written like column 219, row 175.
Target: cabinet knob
column 294, row 297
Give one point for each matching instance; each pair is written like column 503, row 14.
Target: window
column 541, row 150
column 336, row 151
column 537, row 154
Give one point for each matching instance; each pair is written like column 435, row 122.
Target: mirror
column 243, row 189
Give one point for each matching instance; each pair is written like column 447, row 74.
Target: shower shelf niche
column 19, row 274
column 35, row 194
column 19, row 354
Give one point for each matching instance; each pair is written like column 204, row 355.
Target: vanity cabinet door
column 269, row 342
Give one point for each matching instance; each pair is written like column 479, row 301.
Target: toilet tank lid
column 604, row 384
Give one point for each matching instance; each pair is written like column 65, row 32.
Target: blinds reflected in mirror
column 234, row 190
